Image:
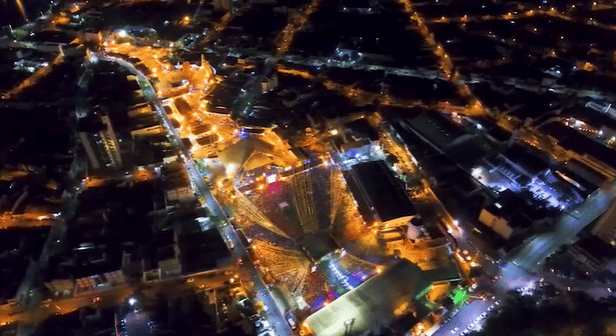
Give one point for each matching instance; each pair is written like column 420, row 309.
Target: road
column 25, row 221
column 109, row 297
column 524, row 266
column 137, row 324
column 468, row 315
column 273, row 315
column 541, row 246
column 244, row 102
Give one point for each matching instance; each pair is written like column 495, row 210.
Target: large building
column 380, row 196
column 102, row 147
column 201, row 250
column 252, row 153
column 373, row 305
column 508, row 215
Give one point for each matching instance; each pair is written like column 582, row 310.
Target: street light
column 132, row 301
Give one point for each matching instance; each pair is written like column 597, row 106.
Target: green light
column 459, row 295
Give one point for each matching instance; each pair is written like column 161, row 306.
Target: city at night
column 307, row 168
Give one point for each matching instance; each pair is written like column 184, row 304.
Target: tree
column 532, row 315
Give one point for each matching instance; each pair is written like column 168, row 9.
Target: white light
column 132, row 301
column 270, row 178
column 122, row 32
column 455, row 222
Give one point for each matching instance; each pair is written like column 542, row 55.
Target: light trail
column 21, row 8
column 34, row 78
column 287, row 266
column 337, row 188
column 303, row 200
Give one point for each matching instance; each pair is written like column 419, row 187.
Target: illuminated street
column 538, row 248
column 226, row 230
column 311, row 168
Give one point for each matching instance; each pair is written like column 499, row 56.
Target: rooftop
column 377, row 190
column 201, row 250
column 370, row 306
column 437, row 129
column 571, row 139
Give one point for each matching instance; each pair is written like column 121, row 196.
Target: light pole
column 348, row 326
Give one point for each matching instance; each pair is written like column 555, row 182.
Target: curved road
column 273, row 314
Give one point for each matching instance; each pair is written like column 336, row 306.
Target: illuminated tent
column 370, row 306
column 248, row 154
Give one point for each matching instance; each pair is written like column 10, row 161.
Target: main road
column 570, row 224
column 111, row 296
column 523, row 268
column 235, row 245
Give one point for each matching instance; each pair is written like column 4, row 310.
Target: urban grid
column 307, row 167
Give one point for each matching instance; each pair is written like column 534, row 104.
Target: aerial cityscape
column 307, row 167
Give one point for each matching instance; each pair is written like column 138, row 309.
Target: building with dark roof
column 531, row 163
column 510, row 215
column 361, row 129
column 592, row 253
column 583, row 180
column 572, row 140
column 318, row 244
column 517, row 165
column 467, row 153
column 92, row 267
column 201, row 251
column 380, row 196
column 18, row 247
column 356, row 140
column 435, row 128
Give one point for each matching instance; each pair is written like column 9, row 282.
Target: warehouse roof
column 371, row 305
column 377, row 189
